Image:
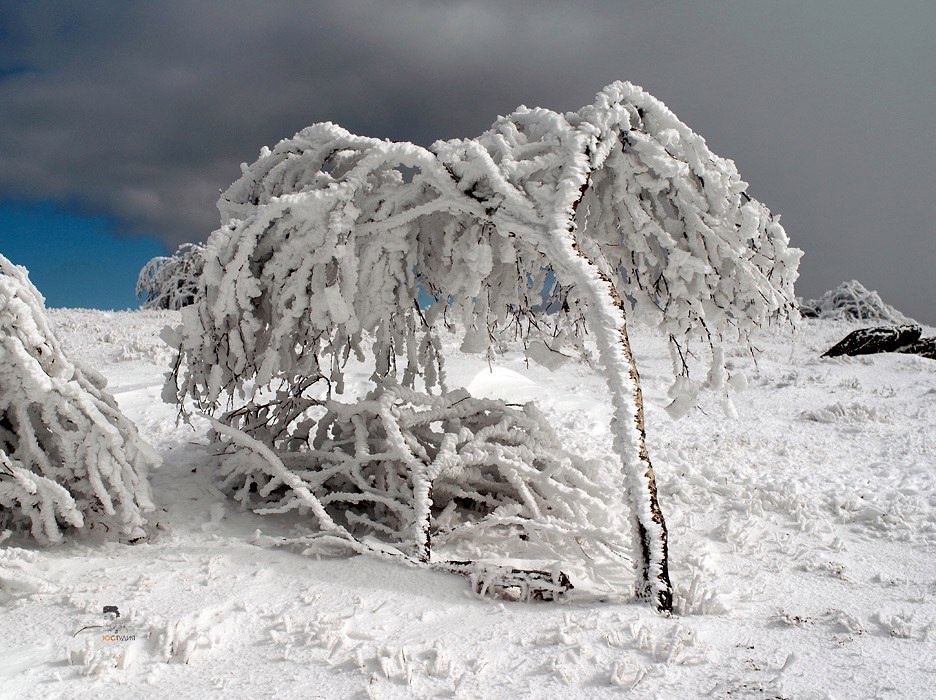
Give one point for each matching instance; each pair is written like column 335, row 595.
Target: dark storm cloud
column 144, row 110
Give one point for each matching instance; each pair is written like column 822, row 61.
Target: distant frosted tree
column 852, row 301
column 171, row 282
column 616, row 210
column 68, row 456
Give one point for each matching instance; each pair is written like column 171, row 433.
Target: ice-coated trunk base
column 653, row 581
column 653, row 586
column 620, row 372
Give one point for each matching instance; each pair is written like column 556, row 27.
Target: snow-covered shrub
column 68, row 456
column 171, row 282
column 852, row 301
column 619, row 208
column 445, row 477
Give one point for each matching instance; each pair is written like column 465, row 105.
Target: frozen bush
column 171, row 282
column 68, row 456
column 439, row 479
column 852, row 301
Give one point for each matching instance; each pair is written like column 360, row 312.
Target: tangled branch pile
column 68, row 456
column 435, row 479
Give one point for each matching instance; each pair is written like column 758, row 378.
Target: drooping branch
column 68, row 456
column 619, row 208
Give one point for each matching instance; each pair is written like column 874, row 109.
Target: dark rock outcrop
column 925, row 347
column 867, row 341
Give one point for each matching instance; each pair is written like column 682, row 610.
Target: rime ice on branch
column 543, row 225
column 68, row 456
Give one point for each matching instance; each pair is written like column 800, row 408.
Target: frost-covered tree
column 614, row 211
column 852, row 301
column 68, row 456
column 171, row 282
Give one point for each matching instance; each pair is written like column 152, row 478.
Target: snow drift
column 791, row 580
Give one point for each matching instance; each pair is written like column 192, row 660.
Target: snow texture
column 802, row 538
column 68, row 456
column 852, row 301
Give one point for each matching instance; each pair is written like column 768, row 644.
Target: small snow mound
column 505, row 384
column 852, row 301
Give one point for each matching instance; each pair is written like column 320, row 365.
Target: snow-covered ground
column 803, row 543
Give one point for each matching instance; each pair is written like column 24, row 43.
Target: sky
column 121, row 122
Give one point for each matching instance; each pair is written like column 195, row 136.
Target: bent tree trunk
column 620, row 372
column 627, row 426
column 654, row 583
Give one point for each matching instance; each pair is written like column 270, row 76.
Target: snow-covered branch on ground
column 433, row 479
column 68, row 456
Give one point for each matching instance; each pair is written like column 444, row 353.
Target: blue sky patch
column 75, row 260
